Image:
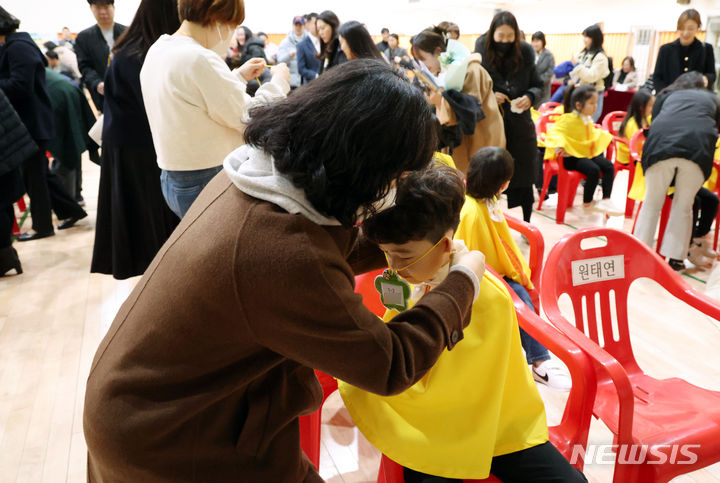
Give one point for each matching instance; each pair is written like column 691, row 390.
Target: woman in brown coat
column 489, row 131
column 209, row 363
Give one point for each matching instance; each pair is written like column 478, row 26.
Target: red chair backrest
column 599, row 278
column 612, row 121
column 365, row 286
column 548, row 106
column 637, row 141
column 546, row 122
column 536, row 255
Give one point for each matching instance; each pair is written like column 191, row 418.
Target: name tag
column 601, row 269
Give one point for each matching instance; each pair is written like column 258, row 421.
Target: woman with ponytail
column 427, row 47
column 511, row 64
column 330, row 52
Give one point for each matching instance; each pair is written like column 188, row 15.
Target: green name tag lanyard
column 394, row 291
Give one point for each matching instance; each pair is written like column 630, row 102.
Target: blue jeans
column 534, row 350
column 180, row 188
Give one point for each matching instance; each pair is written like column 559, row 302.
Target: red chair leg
column 664, row 215
column 310, row 428
column 629, row 202
column 16, row 228
column 547, row 176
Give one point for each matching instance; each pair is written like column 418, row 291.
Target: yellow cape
column 576, row 138
column 623, row 152
column 478, row 401
column 493, row 238
column 445, row 159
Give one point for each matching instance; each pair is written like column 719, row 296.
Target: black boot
column 9, row 260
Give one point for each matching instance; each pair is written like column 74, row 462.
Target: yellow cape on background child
column 493, row 238
column 478, row 401
column 578, row 139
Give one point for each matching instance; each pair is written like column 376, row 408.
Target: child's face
column 590, row 106
column 424, row 269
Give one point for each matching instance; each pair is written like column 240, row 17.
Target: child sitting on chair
column 582, row 144
column 483, row 228
column 477, row 411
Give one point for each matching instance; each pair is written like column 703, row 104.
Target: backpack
column 609, row 78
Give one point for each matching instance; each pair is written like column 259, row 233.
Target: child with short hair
column 582, row 145
column 477, row 411
column 484, row 228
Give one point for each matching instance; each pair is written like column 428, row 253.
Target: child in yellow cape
column 477, row 411
column 582, row 145
column 484, row 228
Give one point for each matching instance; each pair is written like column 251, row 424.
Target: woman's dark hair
column 101, row 2
column 429, row 40
column 333, row 21
column 8, row 22
column 396, row 37
column 688, row 80
column 539, row 36
column 489, row 169
column 514, row 56
column 597, row 37
column 152, row 19
column 636, row 110
column 427, row 204
column 359, row 40
column 629, row 59
column 206, row 12
column 450, row 27
column 573, row 95
column 248, row 33
column 345, row 137
column 689, row 14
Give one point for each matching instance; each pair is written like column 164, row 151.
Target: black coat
column 334, row 57
column 92, row 56
column 22, row 78
column 254, row 47
column 671, row 63
column 685, row 125
column 16, row 146
column 519, row 128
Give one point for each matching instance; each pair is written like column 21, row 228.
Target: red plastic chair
column 548, row 106
column 567, row 181
column 536, row 255
column 311, row 424
column 22, row 207
column 637, row 408
column 572, row 433
column 611, row 124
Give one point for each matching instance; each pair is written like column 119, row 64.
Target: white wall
column 46, row 17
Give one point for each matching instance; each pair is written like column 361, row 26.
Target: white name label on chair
column 601, row 269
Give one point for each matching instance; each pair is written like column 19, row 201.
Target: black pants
column 539, row 464
column 6, row 224
column 592, row 168
column 704, row 210
column 47, row 193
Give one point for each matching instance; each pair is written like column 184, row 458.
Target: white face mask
column 223, row 45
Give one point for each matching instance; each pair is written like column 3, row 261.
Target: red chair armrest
column 537, row 246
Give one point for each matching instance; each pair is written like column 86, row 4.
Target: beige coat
column 491, row 130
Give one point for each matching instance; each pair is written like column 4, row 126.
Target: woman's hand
column 523, row 103
column 559, row 152
column 501, row 98
column 282, row 71
column 474, row 260
column 252, row 68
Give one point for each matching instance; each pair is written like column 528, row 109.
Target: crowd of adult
column 234, row 175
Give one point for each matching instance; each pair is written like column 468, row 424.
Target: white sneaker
column 552, row 201
column 607, row 206
column 553, row 375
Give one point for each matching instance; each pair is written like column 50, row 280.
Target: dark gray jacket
column 544, row 66
column 685, row 125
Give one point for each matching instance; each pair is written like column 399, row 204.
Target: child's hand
column 559, row 152
column 474, row 260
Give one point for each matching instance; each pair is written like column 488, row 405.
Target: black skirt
column 133, row 219
column 522, row 145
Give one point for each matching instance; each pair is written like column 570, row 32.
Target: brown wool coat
column 208, row 364
column 491, row 130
